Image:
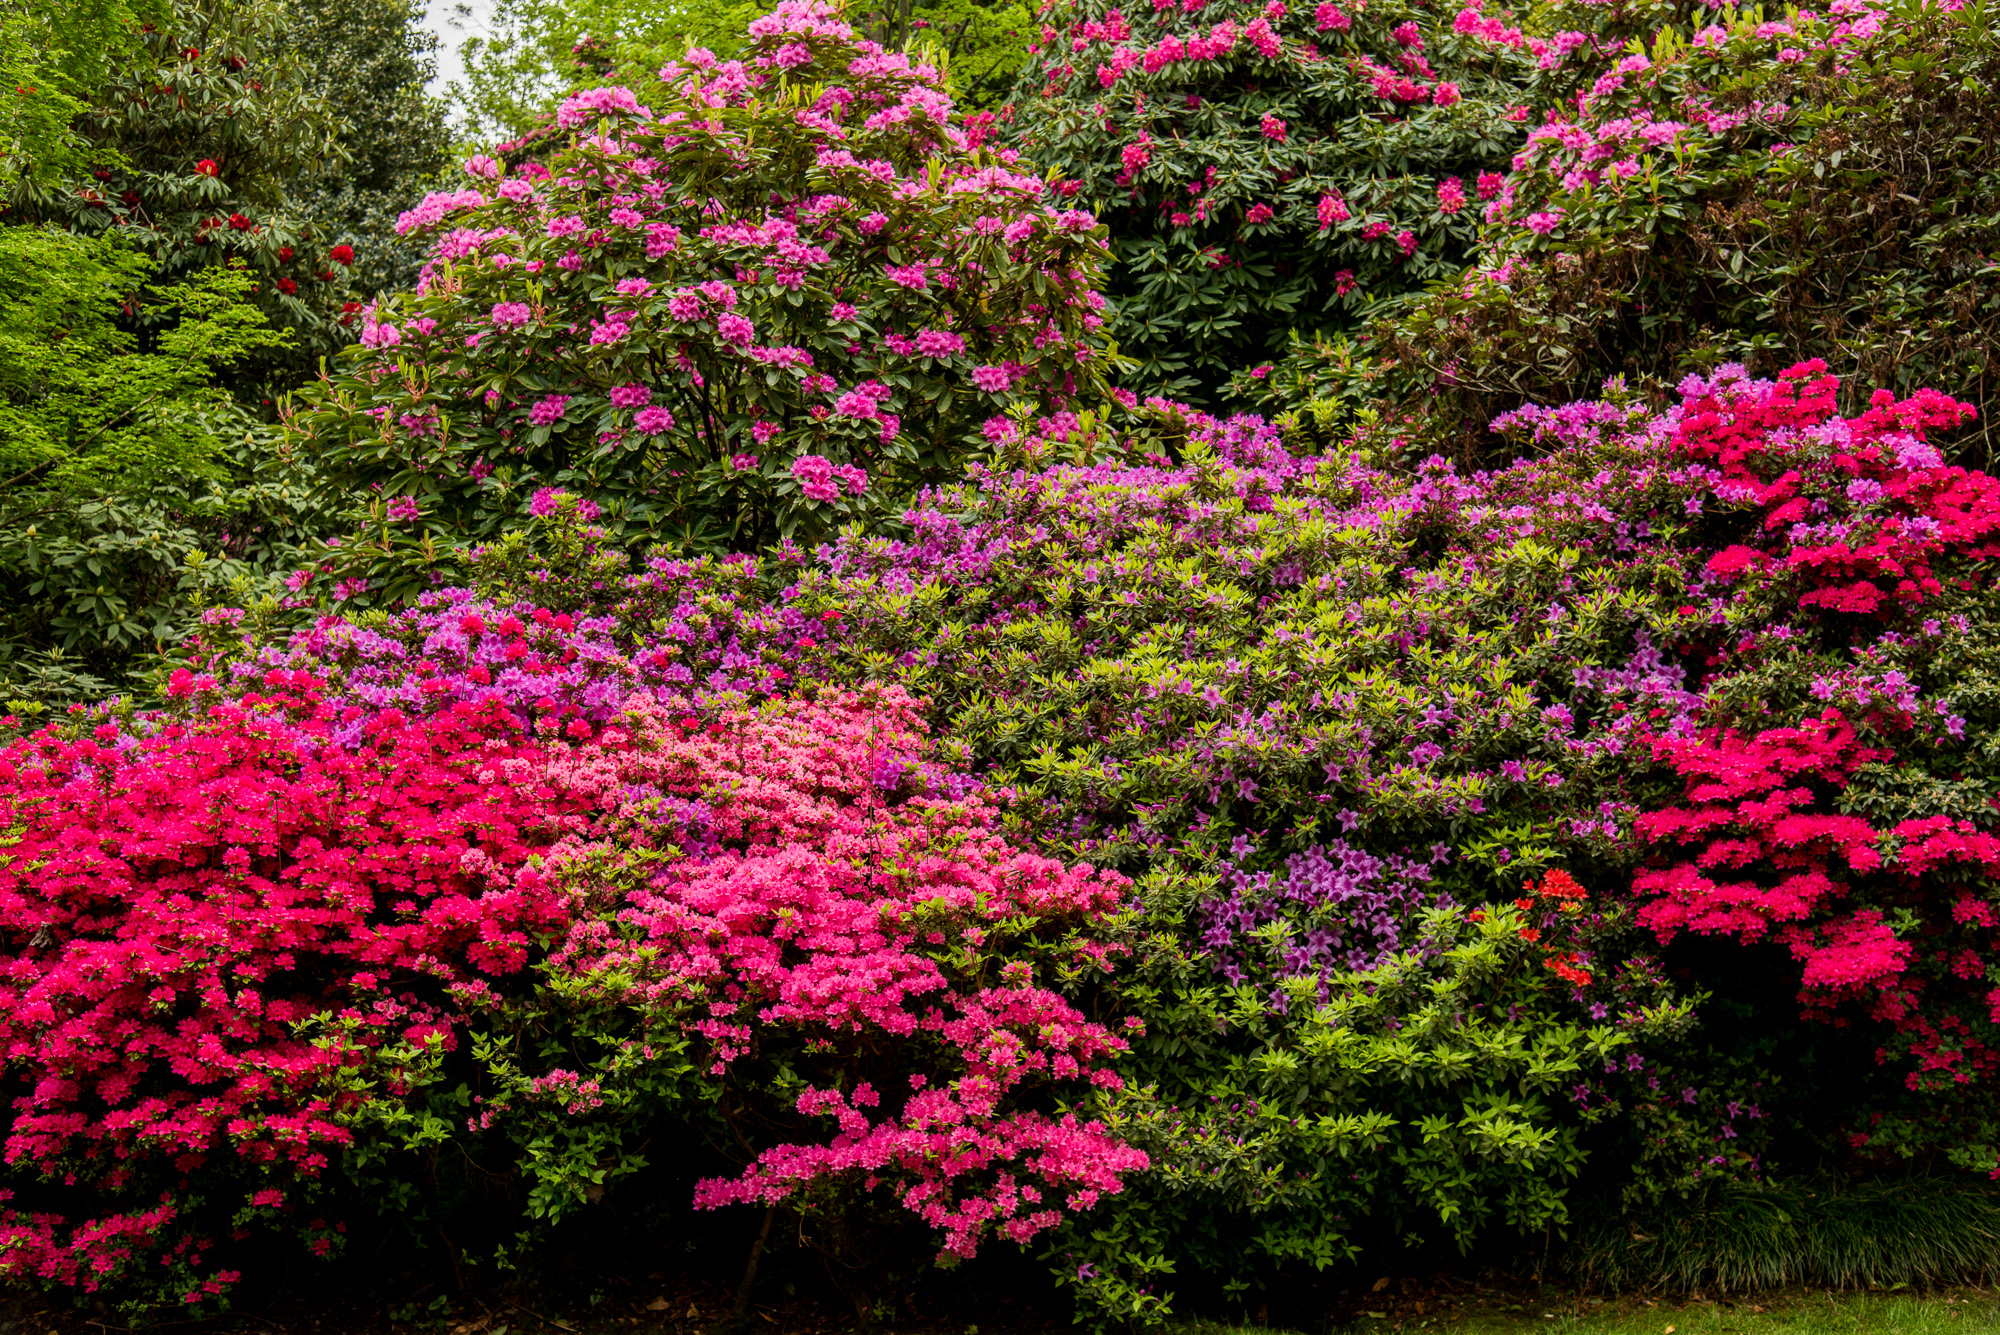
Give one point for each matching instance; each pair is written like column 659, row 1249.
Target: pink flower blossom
column 630, row 396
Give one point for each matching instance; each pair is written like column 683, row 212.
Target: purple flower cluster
column 1348, row 907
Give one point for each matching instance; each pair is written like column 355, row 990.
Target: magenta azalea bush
column 268, row 947
column 753, row 301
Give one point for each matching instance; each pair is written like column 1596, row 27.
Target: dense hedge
column 1203, row 852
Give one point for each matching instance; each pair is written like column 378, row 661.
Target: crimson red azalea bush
column 1835, row 798
column 261, row 948
column 204, row 924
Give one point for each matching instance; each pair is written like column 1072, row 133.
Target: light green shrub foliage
column 131, row 488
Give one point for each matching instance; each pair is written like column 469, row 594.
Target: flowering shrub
column 1312, row 704
column 312, row 926
column 1422, row 779
column 1264, row 165
column 1742, row 192
column 839, row 891
column 756, row 300
column 1254, row 756
column 203, row 925
column 1861, row 549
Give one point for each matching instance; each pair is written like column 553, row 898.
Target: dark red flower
column 342, row 254
column 207, row 167
column 284, row 254
column 287, row 286
column 239, row 222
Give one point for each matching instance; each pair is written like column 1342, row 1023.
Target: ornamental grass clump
column 751, row 301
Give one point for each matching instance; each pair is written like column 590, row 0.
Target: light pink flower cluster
column 818, row 475
column 835, row 885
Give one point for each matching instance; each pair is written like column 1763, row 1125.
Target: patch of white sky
column 453, row 21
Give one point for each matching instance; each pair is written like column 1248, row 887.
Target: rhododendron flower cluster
column 1186, row 126
column 1770, row 130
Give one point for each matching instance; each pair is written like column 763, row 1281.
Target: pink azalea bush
column 264, row 944
column 836, row 891
column 739, row 268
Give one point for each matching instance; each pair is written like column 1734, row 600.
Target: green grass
column 1960, row 1313
column 1944, row 1312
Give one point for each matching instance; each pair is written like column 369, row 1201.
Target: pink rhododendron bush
column 1736, row 186
column 754, row 299
column 1271, row 165
column 270, row 949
